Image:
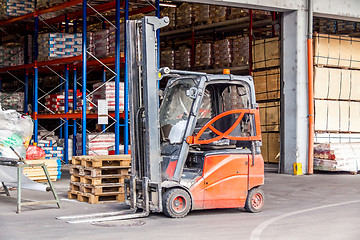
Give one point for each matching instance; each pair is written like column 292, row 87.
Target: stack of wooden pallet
column 98, row 179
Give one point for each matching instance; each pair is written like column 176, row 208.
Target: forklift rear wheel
column 255, row 200
column 176, row 203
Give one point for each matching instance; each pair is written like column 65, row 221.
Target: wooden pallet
column 102, row 161
column 98, row 180
column 99, row 172
column 98, row 190
column 94, row 199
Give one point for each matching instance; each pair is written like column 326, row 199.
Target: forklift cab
column 212, row 122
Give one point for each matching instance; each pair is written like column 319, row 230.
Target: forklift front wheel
column 176, row 203
column 255, row 200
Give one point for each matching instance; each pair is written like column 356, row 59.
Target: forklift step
column 95, row 181
column 94, row 199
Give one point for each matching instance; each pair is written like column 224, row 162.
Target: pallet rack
column 247, row 22
column 75, row 10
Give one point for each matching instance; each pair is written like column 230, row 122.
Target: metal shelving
column 75, row 10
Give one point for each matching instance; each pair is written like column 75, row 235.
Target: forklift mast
column 143, row 75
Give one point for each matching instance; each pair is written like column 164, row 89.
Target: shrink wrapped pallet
column 337, row 157
column 58, row 45
column 240, row 51
column 201, row 13
column 96, row 144
column 184, row 15
column 266, row 53
column 11, row 56
column 238, row 13
column 13, row 101
column 218, row 14
column 106, row 91
column 183, row 58
column 104, row 42
column 222, row 53
column 203, row 54
column 56, row 102
column 336, row 51
column 169, row 12
column 15, row 8
column 167, row 58
column 267, row 84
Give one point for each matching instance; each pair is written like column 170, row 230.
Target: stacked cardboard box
column 97, row 144
column 57, row 45
column 99, row 179
column 15, row 8
column 12, row 101
column 106, row 91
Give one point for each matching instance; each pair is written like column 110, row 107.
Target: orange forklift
column 201, row 148
column 196, row 145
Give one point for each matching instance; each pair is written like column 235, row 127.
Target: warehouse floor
column 321, row 206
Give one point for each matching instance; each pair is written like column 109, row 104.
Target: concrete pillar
column 294, row 103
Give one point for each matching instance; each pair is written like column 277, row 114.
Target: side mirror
column 192, row 92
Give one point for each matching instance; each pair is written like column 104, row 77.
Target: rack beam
column 73, row 115
column 73, row 62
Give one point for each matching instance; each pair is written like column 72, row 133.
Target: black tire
column 176, row 203
column 255, row 200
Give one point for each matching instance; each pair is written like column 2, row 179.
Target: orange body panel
column 225, row 181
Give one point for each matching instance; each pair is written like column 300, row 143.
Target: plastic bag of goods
column 15, row 131
column 34, row 152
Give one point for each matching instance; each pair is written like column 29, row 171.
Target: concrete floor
column 321, row 206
